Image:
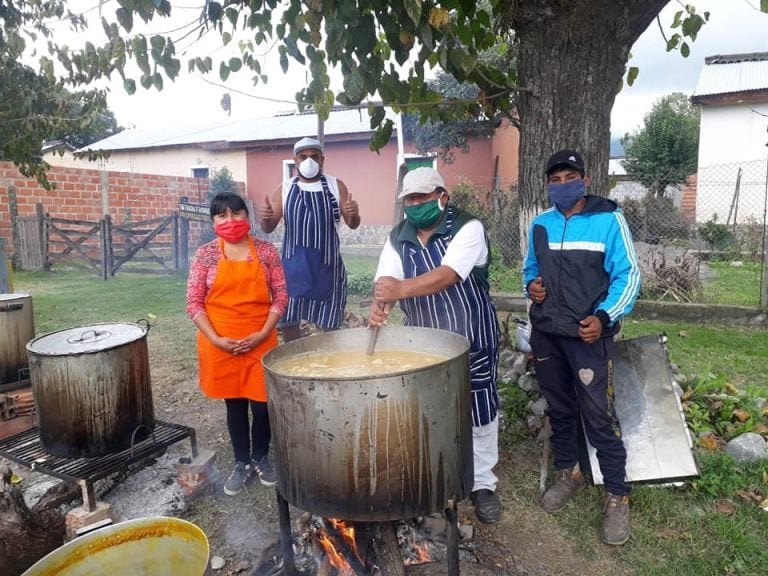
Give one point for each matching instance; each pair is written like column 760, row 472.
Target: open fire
column 334, row 547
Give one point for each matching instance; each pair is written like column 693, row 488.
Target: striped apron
column 314, row 270
column 465, row 308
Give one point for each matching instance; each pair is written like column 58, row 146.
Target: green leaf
column 158, row 81
column 632, row 75
column 214, row 11
column 685, row 50
column 223, row 71
column 125, row 18
column 226, row 38
column 235, row 64
column 129, row 86
column 413, row 9
column 764, row 6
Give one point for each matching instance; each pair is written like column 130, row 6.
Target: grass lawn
column 713, row 526
column 733, row 285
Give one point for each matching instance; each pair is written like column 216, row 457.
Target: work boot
column 568, row 483
column 263, row 468
column 238, row 479
column 616, row 528
column 487, row 505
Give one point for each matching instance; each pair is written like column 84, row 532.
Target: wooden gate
column 76, row 243
column 153, row 243
column 30, row 244
column 99, row 246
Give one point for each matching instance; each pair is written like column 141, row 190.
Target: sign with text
column 200, row 212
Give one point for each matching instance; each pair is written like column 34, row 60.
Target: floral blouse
column 202, row 273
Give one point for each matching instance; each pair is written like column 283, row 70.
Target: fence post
column 183, row 241
column 13, row 210
column 5, row 283
column 42, row 236
column 108, row 244
column 764, row 280
column 175, row 242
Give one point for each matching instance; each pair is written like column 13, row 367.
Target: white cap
column 421, row 181
column 307, row 143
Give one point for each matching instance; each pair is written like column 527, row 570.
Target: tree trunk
column 571, row 59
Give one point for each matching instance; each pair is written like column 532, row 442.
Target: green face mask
column 424, row 215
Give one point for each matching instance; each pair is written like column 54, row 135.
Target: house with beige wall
column 259, row 152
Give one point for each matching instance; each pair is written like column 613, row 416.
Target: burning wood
column 332, row 547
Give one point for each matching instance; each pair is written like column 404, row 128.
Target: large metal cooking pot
column 142, row 547
column 17, row 327
column 375, row 448
column 92, row 388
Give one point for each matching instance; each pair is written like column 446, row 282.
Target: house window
column 199, row 172
column 414, row 162
column 289, row 169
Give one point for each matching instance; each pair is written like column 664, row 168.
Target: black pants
column 576, row 378
column 253, row 444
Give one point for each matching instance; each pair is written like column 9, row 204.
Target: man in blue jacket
column 582, row 277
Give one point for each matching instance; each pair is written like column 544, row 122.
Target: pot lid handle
column 84, row 338
column 144, row 323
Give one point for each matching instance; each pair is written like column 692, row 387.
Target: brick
column 79, row 517
column 196, row 475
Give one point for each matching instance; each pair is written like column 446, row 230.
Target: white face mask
column 309, row 168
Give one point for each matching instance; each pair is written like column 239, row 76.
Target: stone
column 217, row 563
column 539, row 407
column 528, row 383
column 737, row 264
column 506, row 358
column 748, row 447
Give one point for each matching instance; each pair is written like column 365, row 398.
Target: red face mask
column 232, row 231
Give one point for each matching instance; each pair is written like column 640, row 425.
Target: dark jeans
column 256, row 443
column 576, row 378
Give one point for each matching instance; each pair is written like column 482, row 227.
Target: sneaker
column 568, row 483
column 263, row 468
column 616, row 528
column 487, row 505
column 238, row 479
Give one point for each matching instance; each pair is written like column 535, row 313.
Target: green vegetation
column 733, row 285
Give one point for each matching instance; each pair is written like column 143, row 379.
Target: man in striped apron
column 436, row 264
column 312, row 205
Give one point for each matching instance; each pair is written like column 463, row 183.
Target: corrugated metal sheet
column 240, row 131
column 732, row 77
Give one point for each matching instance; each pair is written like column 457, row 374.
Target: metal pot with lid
column 92, row 388
column 17, row 327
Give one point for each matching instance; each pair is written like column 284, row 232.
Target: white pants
column 485, row 447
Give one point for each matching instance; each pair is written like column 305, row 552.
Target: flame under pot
column 376, row 448
column 92, row 389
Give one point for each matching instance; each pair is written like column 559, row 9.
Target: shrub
column 360, row 284
column 716, row 236
column 654, row 219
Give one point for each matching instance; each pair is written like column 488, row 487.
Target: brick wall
column 688, row 206
column 82, row 194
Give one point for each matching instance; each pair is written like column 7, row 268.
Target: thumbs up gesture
column 350, row 209
column 265, row 211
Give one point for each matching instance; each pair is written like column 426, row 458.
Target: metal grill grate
column 26, row 449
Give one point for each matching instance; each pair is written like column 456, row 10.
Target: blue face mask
column 565, row 195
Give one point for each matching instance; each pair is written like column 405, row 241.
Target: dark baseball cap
column 566, row 159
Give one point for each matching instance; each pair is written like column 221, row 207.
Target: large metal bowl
column 374, row 448
column 142, row 547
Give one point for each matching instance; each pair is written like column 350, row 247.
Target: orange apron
column 237, row 305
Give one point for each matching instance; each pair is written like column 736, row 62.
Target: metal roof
column 232, row 133
column 733, row 73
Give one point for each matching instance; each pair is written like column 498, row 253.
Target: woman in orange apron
column 236, row 293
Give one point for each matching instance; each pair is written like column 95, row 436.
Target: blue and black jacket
column 587, row 264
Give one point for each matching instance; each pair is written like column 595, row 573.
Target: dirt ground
column 244, row 528
column 527, row 541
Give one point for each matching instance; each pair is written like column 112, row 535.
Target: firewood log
column 25, row 535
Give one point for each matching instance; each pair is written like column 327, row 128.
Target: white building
column 732, row 93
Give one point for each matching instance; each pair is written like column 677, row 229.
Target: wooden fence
column 156, row 246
